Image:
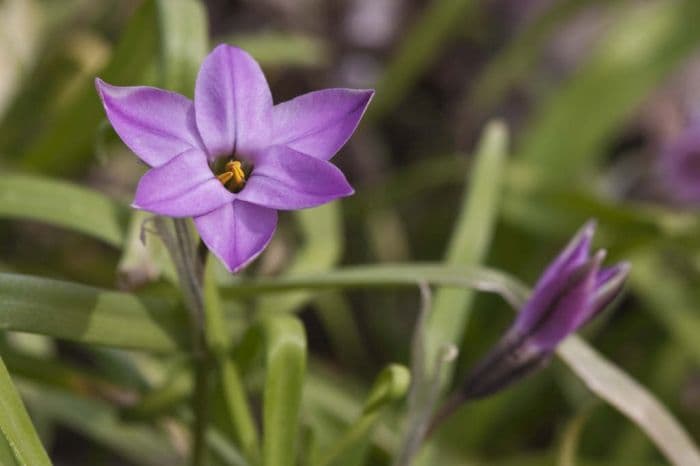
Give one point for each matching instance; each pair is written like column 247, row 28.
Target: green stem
column 242, row 420
column 200, row 406
column 190, row 269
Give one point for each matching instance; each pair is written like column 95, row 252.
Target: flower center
column 233, row 174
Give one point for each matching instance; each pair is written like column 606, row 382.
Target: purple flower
column 679, row 167
column 231, row 158
column 570, row 292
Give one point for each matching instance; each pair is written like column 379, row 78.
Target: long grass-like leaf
column 16, row 427
column 139, row 442
column 90, row 315
column 64, row 205
column 66, row 145
column 469, row 243
column 391, row 385
column 646, row 43
column 285, row 349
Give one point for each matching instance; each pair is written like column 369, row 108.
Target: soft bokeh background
column 591, row 92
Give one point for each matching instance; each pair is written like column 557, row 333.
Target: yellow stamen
column 238, row 174
column 225, row 177
column 234, row 173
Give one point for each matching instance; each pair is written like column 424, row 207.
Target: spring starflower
column 230, row 159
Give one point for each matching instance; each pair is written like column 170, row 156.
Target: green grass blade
column 643, row 46
column 7, row 458
column 90, row 315
column 571, row 438
column 184, row 42
column 285, row 349
column 469, row 243
column 282, row 49
column 632, row 399
column 233, row 392
column 383, row 276
column 390, row 386
column 63, row 205
column 519, row 57
column 67, row 144
column 16, row 427
column 422, row 44
column 154, row 323
column 138, row 442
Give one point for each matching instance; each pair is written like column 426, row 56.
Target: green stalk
column 236, row 402
column 189, row 270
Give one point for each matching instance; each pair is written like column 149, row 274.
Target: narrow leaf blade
column 16, row 426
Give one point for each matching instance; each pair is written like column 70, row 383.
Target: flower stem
column 190, row 268
column 200, row 405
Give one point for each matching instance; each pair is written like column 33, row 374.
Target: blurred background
column 596, row 96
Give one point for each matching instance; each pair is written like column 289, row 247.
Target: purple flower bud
column 570, row 292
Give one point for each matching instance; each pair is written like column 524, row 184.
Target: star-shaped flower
column 230, row 159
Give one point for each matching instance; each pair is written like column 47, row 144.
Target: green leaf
column 469, row 243
column 16, row 427
column 643, row 46
column 668, row 370
column 22, row 26
column 144, row 257
column 391, row 385
column 155, row 323
column 632, row 399
column 282, row 49
column 285, row 350
column 184, row 42
column 233, row 391
column 67, row 144
column 422, row 44
column 426, row 387
column 7, row 458
column 518, row 59
column 383, row 276
column 138, row 442
column 90, row 315
column 571, row 438
column 63, row 205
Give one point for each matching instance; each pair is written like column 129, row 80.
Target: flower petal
column 555, row 277
column 570, row 309
column 155, row 124
column 237, row 232
column 319, row 123
column 233, row 103
column 286, row 179
column 609, row 284
column 183, row 187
